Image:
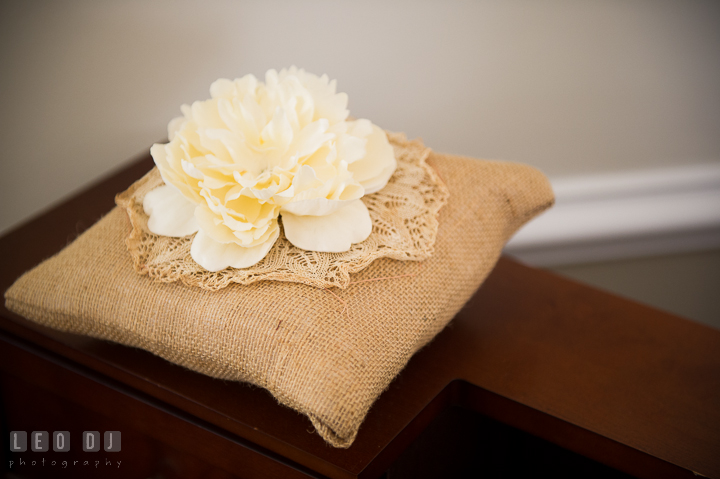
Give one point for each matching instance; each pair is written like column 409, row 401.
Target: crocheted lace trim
column 404, row 216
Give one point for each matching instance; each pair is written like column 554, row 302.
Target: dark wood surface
column 617, row 382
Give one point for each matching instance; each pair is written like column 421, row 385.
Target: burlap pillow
column 326, row 353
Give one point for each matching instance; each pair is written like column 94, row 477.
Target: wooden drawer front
column 44, row 393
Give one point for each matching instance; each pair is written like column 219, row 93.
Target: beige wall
column 569, row 86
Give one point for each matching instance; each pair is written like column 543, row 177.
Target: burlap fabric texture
column 326, row 353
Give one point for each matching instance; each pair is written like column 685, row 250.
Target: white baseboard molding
column 607, row 217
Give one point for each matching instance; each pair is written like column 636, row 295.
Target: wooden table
column 537, row 373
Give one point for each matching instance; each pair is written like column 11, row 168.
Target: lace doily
column 404, row 217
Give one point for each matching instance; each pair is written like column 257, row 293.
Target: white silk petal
column 174, row 126
column 217, row 230
column 163, row 155
column 306, row 178
column 214, row 256
column 374, row 171
column 351, row 148
column 170, row 213
column 278, row 131
column 333, row 233
column 360, row 128
column 222, row 88
column 311, row 138
column 315, row 207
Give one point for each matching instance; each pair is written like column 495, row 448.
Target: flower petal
column 174, row 126
column 311, row 138
column 214, row 256
column 278, row 132
column 333, row 233
column 374, row 171
column 171, row 214
column 164, row 157
column 315, row 207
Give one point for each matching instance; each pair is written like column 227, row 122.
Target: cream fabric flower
column 258, row 151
